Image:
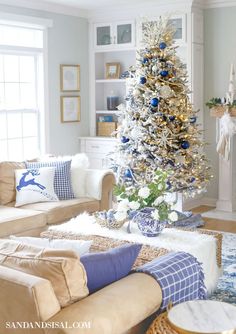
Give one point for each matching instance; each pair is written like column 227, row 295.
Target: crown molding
column 117, row 10
column 47, row 6
column 141, row 10
column 219, row 3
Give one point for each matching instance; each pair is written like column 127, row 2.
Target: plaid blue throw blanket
column 179, row 275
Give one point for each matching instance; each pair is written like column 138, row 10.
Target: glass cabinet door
column 124, row 33
column 114, row 35
column 177, row 23
column 103, row 35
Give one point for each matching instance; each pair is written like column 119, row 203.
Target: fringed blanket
column 179, row 275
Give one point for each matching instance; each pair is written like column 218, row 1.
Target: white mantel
column 227, row 180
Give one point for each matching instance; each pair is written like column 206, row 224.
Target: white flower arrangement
column 151, row 195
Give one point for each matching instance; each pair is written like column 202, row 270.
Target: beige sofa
column 31, row 219
column 43, row 288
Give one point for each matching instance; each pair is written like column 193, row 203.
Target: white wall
column 219, row 52
column 67, row 44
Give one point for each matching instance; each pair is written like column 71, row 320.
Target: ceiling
column 91, row 4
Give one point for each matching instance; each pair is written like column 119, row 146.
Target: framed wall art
column 112, row 70
column 70, row 78
column 70, row 109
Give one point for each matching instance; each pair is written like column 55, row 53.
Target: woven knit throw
column 179, row 275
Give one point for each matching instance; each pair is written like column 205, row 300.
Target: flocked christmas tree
column 158, row 126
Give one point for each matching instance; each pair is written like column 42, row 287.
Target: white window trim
column 25, row 21
column 43, row 24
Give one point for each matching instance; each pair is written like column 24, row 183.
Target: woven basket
column 161, row 325
column 219, row 111
column 112, row 225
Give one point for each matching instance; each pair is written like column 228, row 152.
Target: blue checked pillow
column 62, row 179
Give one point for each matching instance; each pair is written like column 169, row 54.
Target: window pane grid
column 19, row 143
column 19, row 92
column 21, row 36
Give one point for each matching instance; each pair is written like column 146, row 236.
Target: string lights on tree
column 158, row 126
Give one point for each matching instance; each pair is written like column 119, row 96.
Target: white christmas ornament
column 166, row 92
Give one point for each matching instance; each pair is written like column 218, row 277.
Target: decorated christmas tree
column 158, row 128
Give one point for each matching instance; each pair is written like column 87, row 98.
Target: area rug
column 226, row 288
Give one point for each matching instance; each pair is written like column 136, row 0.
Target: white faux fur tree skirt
column 202, row 246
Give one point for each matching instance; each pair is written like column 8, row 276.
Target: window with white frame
column 21, row 92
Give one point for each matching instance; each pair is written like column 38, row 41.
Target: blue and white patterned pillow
column 35, row 185
column 62, row 179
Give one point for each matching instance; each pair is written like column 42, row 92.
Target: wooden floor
column 215, row 224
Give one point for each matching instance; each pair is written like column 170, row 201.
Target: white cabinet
column 114, row 42
column 97, row 150
column 177, row 21
column 114, row 35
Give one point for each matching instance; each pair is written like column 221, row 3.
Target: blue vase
column 146, row 224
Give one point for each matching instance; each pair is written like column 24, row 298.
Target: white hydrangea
column 158, row 200
column 160, row 186
column 120, row 215
column 173, row 216
column 144, row 192
column 155, row 214
column 134, row 205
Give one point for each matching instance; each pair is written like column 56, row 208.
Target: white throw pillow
column 79, row 164
column 35, row 185
column 80, row 247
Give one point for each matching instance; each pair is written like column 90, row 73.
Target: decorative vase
column 147, row 224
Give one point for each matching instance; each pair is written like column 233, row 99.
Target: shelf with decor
column 110, row 86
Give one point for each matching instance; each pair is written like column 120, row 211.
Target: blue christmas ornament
column 192, row 179
column 143, row 80
column 162, row 45
column 168, row 185
column 164, row 73
column 154, row 102
column 145, row 60
column 128, row 173
column 124, row 139
column 172, row 118
column 185, row 144
column 193, row 119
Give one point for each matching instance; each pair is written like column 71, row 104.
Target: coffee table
column 205, row 246
column 199, row 317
